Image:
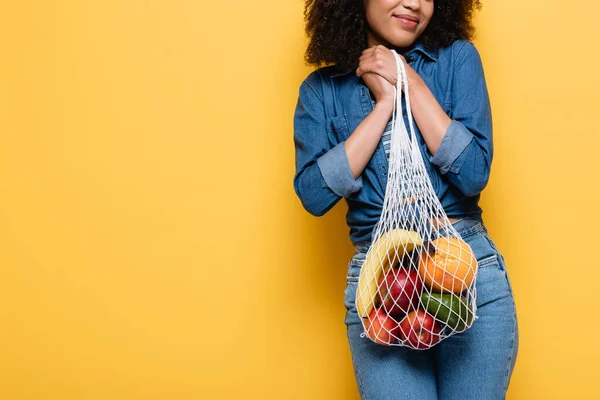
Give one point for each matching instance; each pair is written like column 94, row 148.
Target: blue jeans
column 474, row 364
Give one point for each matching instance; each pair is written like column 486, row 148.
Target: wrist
column 385, row 104
column 415, row 84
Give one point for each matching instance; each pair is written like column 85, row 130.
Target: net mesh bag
column 417, row 283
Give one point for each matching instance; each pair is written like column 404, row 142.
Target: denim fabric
column 332, row 103
column 472, row 365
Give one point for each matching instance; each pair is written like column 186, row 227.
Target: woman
column 342, row 124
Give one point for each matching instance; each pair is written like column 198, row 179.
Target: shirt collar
column 416, row 47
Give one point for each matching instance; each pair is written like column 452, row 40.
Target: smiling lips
column 407, row 20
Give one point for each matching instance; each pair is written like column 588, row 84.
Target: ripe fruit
column 381, row 328
column 420, row 329
column 399, row 290
column 449, row 309
column 451, row 267
column 390, row 246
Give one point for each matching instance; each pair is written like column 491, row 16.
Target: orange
column 450, row 268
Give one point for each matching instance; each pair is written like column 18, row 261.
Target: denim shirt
column 332, row 103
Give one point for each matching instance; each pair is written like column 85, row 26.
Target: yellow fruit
column 451, row 268
column 391, row 246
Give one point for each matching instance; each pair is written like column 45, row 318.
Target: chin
column 401, row 43
column 403, row 40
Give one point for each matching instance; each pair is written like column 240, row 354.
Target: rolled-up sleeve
column 465, row 153
column 323, row 175
column 336, row 171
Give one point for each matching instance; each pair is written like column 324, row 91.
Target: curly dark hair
column 338, row 29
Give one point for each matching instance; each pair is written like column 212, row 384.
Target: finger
column 364, row 56
column 367, row 70
column 366, row 66
column 362, row 64
column 382, row 49
column 375, row 52
column 380, row 66
column 361, row 70
column 369, row 50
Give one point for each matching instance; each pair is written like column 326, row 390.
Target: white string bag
column 417, row 283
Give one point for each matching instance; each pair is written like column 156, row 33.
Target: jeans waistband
column 464, row 226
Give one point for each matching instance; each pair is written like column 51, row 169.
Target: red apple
column 382, row 328
column 399, row 290
column 420, row 329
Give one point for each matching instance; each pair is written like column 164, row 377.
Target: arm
column 461, row 147
column 362, row 143
column 325, row 174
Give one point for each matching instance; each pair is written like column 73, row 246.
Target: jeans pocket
column 503, row 263
column 354, row 267
column 491, row 280
column 351, row 316
column 350, row 295
column 492, row 261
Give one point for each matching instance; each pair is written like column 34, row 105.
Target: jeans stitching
column 472, row 231
column 358, row 378
column 352, row 299
column 510, row 356
column 506, row 275
column 514, row 332
column 487, row 261
column 359, row 382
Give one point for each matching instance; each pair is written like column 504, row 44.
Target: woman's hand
column 381, row 61
column 382, row 90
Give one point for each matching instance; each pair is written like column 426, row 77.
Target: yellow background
column 152, row 246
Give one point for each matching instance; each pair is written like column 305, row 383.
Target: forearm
column 362, row 143
column 428, row 114
column 461, row 146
